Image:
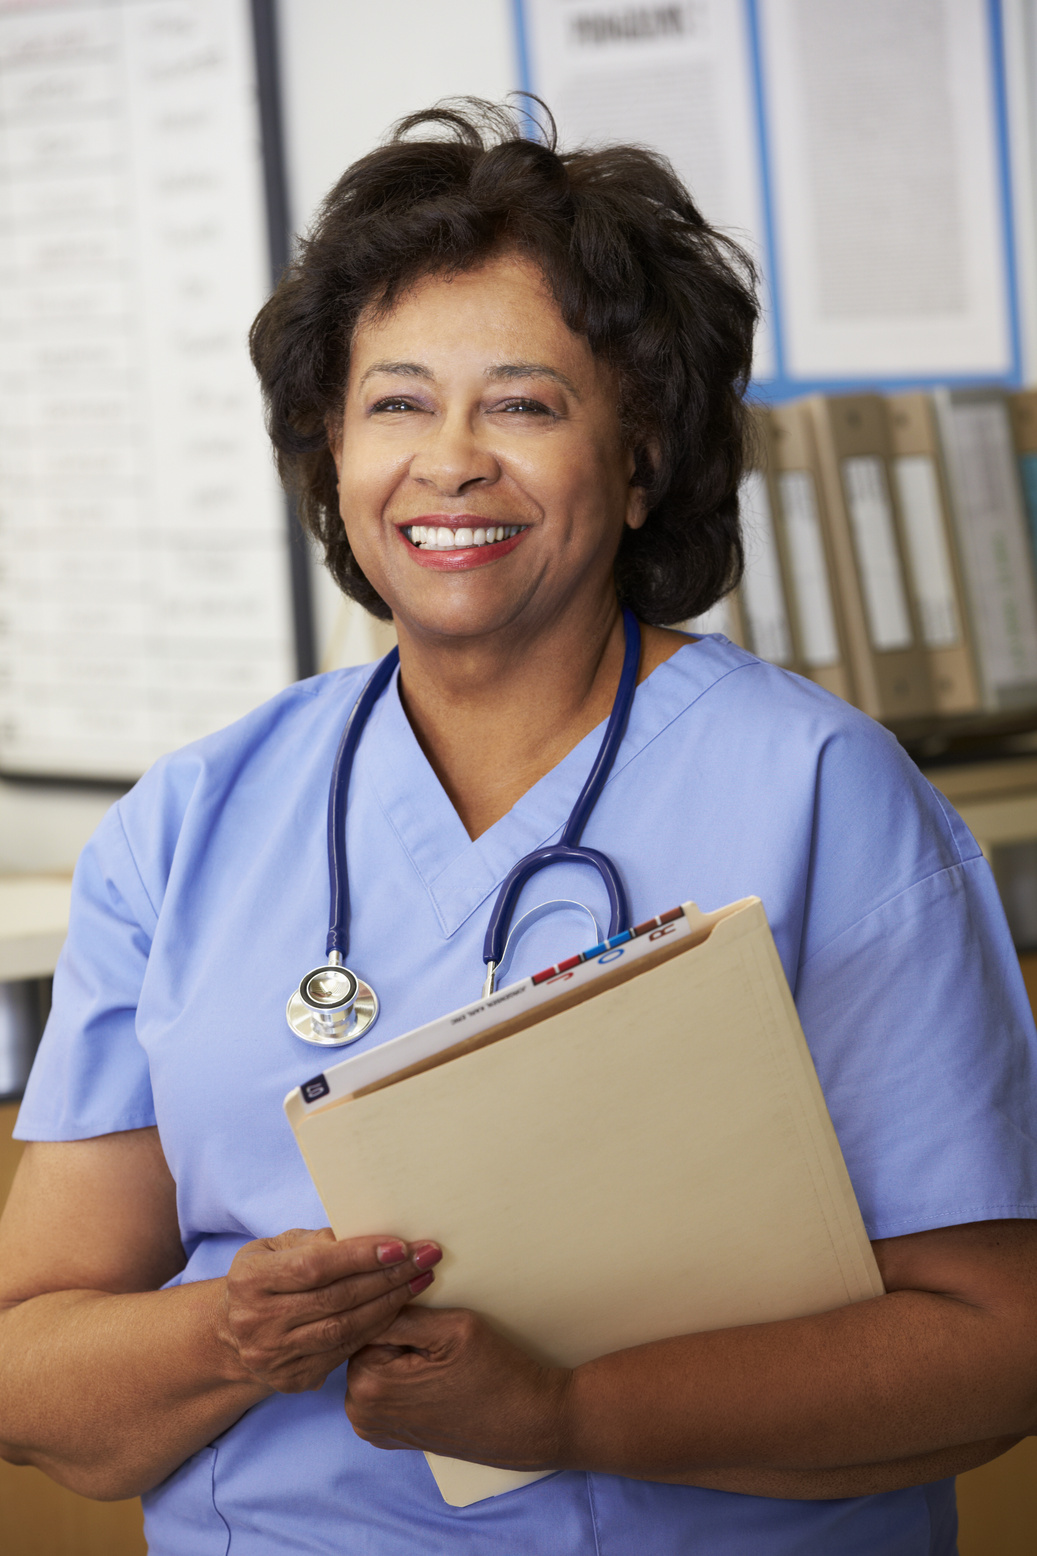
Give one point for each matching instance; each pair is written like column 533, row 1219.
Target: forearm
column 904, row 1376
column 857, row 1480
column 108, row 1394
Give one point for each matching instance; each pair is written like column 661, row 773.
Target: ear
column 637, row 508
column 643, row 464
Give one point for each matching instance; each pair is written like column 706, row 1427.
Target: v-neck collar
column 459, row 873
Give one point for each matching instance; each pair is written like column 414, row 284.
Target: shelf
column 33, row 924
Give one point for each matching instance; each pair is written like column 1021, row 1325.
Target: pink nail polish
column 427, row 1255
column 420, row 1283
column 391, row 1253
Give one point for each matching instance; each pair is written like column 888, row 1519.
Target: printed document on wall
column 144, row 590
column 675, row 77
column 890, row 230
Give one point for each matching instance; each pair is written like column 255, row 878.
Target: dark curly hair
column 663, row 297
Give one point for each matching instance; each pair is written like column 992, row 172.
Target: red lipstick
column 463, row 558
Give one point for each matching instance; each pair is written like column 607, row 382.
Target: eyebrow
column 399, row 370
column 510, row 370
column 504, row 372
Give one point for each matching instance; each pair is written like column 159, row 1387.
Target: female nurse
column 506, row 387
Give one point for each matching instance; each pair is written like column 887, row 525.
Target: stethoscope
column 332, row 1006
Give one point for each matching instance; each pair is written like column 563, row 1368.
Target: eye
column 526, row 407
column 395, row 403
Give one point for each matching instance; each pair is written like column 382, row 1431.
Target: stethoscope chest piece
column 332, row 1007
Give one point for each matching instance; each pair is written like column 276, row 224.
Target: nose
column 452, row 458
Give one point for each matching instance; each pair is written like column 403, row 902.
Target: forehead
column 501, row 310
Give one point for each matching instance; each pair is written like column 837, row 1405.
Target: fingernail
column 419, row 1283
column 427, row 1255
column 391, row 1253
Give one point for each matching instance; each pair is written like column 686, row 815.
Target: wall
column 43, row 827
column 345, row 80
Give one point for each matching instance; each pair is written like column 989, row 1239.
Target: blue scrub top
column 202, row 899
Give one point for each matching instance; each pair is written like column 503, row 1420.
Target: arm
column 936, row 1376
column 107, row 1383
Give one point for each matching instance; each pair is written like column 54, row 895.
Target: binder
column 654, row 1094
column 726, row 616
column 935, row 571
column 1022, row 408
column 822, row 638
column 766, row 588
column 890, row 670
column 993, row 541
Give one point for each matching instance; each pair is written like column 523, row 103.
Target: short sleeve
column 91, row 1075
column 923, row 1038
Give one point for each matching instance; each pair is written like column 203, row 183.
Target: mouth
column 457, row 548
column 442, row 537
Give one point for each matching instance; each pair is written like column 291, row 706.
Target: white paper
column 875, row 545
column 371, row 1065
column 889, row 227
column 994, row 544
column 145, row 578
column 677, row 78
column 763, row 588
column 813, row 595
column 931, row 570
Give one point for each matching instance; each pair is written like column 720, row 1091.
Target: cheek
column 588, row 486
column 367, row 475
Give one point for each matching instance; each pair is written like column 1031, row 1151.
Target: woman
column 506, row 386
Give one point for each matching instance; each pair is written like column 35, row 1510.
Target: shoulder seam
column 133, row 860
column 946, row 869
column 950, row 816
column 750, row 664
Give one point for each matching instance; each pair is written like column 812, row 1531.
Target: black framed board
column 150, row 587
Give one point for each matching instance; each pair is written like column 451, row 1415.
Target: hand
column 443, row 1380
column 295, row 1307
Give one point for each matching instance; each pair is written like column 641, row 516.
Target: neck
column 494, row 714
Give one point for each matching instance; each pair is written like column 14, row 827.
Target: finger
column 376, row 1354
column 355, row 1291
column 296, row 1235
column 319, row 1262
column 420, row 1328
column 350, row 1331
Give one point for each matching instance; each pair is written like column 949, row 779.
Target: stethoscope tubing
column 567, row 850
column 338, row 930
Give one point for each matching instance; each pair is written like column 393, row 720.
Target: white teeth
column 437, row 537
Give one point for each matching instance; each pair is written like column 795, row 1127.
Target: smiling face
column 483, row 478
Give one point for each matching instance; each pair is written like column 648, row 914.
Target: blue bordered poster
column 858, row 150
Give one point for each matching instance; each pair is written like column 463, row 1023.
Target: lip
column 469, row 556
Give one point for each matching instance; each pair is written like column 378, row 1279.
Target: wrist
column 226, row 1356
column 563, row 1449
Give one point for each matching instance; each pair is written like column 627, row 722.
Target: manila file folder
column 642, row 1154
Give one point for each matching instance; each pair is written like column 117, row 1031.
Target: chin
column 456, row 618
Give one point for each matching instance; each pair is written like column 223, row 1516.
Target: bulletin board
column 146, row 566
column 859, row 151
